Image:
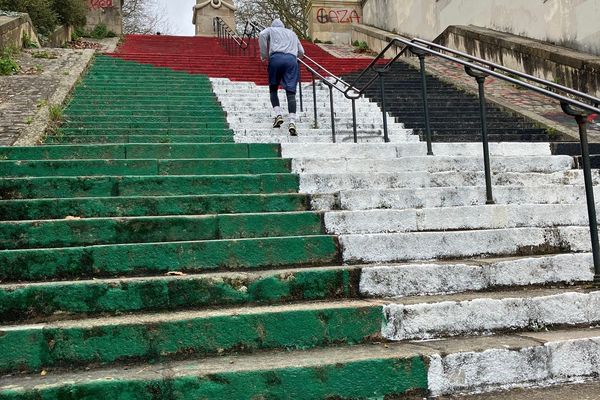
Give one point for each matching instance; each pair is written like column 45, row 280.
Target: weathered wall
column 206, row 10
column 570, row 23
column 60, row 36
column 107, row 12
column 332, row 20
column 12, row 30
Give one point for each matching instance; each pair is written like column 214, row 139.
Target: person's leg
column 275, row 100
column 290, row 81
column 291, row 101
column 274, row 80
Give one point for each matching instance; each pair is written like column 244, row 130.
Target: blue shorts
column 283, row 70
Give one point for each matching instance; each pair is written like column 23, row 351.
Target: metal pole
column 486, row 149
column 425, row 105
column 581, row 118
column 300, row 86
column 332, row 113
column 354, row 132
column 383, row 110
column 314, row 88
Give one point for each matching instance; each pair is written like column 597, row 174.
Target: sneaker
column 278, row 121
column 292, row 129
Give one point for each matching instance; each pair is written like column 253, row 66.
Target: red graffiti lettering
column 337, row 16
column 94, row 4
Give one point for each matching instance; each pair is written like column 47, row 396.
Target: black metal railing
column 574, row 103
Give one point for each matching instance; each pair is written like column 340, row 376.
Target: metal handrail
column 479, row 69
column 594, row 100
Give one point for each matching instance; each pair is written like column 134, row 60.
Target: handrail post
column 354, row 128
column 480, row 78
column 386, row 137
column 314, row 88
column 421, row 54
column 300, row 86
column 332, row 113
column 581, row 119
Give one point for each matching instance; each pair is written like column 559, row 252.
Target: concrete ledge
column 12, row 30
column 34, row 132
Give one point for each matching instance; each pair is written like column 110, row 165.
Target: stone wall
column 570, row 23
column 12, row 30
column 332, row 20
column 107, row 12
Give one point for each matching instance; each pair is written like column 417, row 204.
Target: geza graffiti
column 337, row 16
column 100, row 3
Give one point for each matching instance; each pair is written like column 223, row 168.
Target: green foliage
column 70, row 12
column 44, row 54
column 8, row 65
column 46, row 15
column 27, row 42
column 100, row 32
column 56, row 114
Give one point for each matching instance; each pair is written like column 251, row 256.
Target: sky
column 179, row 13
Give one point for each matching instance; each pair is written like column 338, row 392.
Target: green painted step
column 11, row 210
column 83, row 139
column 157, row 337
column 231, row 166
column 137, row 151
column 113, row 186
column 200, row 119
column 144, row 132
column 164, row 112
column 98, row 231
column 38, row 301
column 145, row 124
column 383, row 371
column 151, row 258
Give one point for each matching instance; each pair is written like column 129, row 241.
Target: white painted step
column 455, row 218
column 458, row 196
column 331, row 183
column 413, row 246
column 341, row 137
column 427, row 278
column 484, row 313
column 545, row 164
column 378, row 151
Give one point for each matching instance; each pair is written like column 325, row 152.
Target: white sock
column 277, row 110
column 293, row 118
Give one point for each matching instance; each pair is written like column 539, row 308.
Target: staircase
column 454, row 113
column 165, row 243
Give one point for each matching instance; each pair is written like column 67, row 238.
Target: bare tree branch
column 145, row 17
column 293, row 13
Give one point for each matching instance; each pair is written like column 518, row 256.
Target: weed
column 56, row 113
column 27, row 42
column 44, row 54
column 8, row 65
column 66, row 73
column 29, row 120
column 39, row 68
column 101, row 32
column 42, row 103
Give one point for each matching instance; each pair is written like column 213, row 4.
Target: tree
column 145, row 17
column 293, row 13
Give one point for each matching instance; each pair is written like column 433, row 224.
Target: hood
column 277, row 24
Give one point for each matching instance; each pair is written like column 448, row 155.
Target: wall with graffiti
column 107, row 12
column 333, row 19
column 573, row 23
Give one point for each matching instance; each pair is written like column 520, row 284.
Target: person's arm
column 300, row 50
column 263, row 41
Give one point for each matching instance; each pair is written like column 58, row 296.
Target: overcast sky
column 179, row 13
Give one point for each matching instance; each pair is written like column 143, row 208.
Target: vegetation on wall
column 46, row 15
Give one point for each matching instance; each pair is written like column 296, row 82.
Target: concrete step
column 115, row 186
column 538, row 164
column 116, row 139
column 458, row 196
column 384, row 151
column 330, row 183
column 148, row 229
column 141, row 206
column 151, row 258
column 419, row 368
column 342, row 136
column 402, row 247
column 137, row 151
column 418, row 318
column 156, row 337
column 437, row 278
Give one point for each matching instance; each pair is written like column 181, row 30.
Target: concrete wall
column 60, row 36
column 107, row 12
column 332, row 20
column 205, row 12
column 570, row 23
column 12, row 30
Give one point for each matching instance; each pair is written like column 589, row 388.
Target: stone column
column 107, row 12
column 332, row 20
column 206, row 10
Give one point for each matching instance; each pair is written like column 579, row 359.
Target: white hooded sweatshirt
column 278, row 39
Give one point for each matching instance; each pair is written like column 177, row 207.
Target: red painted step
column 204, row 55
